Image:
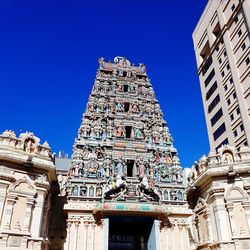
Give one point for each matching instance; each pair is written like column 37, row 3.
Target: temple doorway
column 130, row 168
column 132, row 233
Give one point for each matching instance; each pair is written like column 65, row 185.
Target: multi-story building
column 222, row 48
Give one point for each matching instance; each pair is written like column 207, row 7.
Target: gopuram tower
column 126, row 186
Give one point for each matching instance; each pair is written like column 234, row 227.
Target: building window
column 236, row 19
column 219, row 131
column 223, row 73
column 232, row 117
column 245, row 144
column 241, row 127
column 125, row 88
column 207, row 65
column 220, row 61
column 209, row 77
column 231, row 80
column 228, row 67
column 239, row 33
column 238, row 111
column 228, row 101
column 235, row 133
column 225, row 53
column 211, row 90
column 216, row 117
column 233, row 7
column 213, row 103
column 225, row 142
column 225, row 87
column 234, row 95
column 247, row 61
column 217, row 48
column 243, row 46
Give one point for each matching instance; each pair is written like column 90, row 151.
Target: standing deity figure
column 112, row 108
column 107, row 166
column 29, row 146
column 119, row 166
column 141, row 167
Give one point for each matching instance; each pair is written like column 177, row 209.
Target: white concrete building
column 222, row 48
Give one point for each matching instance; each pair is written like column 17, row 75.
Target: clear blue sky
column 49, row 54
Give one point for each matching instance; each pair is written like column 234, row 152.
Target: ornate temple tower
column 126, row 185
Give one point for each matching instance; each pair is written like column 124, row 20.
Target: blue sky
column 49, row 54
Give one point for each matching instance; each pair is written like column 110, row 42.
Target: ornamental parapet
column 227, row 161
column 26, row 142
column 26, row 151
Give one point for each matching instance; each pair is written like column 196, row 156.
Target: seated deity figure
column 137, row 133
column 120, row 131
column 120, row 107
column 135, row 108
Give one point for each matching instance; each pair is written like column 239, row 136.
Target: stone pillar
column 11, row 200
column 68, row 229
column 105, row 234
column 246, row 206
column 169, row 238
column 27, row 217
column 38, row 213
column 230, row 209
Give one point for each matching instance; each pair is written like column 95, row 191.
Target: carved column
column 29, row 205
column 86, row 228
column 3, row 189
column 230, row 209
column 221, row 216
column 76, row 223
column 180, row 228
column 208, row 225
column 198, row 229
column 11, row 200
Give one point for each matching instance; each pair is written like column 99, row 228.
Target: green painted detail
column 119, row 206
column 145, row 208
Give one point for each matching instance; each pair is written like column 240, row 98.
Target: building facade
column 27, row 183
column 126, row 186
column 222, row 47
column 219, row 195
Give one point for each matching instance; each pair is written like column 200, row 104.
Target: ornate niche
column 23, row 194
column 202, row 221
column 236, row 199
